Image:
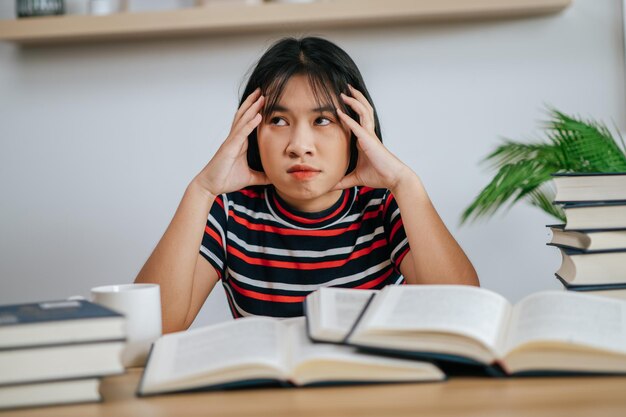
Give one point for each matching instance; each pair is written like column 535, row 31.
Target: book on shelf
column 58, row 322
column 587, row 239
column 608, row 215
column 55, row 340
column 549, row 332
column 50, row 393
column 263, row 351
column 601, row 186
column 592, row 268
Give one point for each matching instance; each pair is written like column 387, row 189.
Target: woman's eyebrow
column 320, row 109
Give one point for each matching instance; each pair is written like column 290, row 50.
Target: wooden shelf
column 223, row 18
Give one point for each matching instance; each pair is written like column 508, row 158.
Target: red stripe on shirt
column 400, row 258
column 251, row 193
column 266, row 297
column 387, row 202
column 295, row 232
column 365, row 190
column 395, row 229
column 306, row 266
column 214, row 235
column 219, row 201
column 311, row 221
column 373, row 283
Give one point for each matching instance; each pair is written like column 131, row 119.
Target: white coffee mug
column 141, row 304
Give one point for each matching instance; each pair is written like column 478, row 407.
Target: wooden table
column 536, row 397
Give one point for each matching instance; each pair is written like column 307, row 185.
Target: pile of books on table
column 56, row 352
column 593, row 239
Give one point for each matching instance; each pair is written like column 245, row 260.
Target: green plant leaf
column 525, row 169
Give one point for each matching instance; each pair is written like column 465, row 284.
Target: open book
column 546, row 332
column 265, row 351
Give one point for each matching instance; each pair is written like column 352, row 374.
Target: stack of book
column 56, row 352
column 593, row 240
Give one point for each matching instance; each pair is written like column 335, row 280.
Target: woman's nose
column 301, row 142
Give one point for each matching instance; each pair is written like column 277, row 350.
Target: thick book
column 58, row 322
column 599, row 267
column 50, row 363
column 601, row 186
column 550, row 332
column 263, row 351
column 597, row 215
column 587, row 239
column 50, row 393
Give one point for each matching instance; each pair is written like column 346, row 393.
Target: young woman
column 301, row 194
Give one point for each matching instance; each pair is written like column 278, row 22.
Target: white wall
column 98, row 141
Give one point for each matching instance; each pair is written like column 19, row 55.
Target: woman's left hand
column 376, row 166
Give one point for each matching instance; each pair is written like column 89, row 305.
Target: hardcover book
column 550, row 332
column 585, row 268
column 601, row 186
column 587, row 239
column 58, row 322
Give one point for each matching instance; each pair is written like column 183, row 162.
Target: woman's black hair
column 329, row 70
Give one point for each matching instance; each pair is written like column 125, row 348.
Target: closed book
column 545, row 333
column 585, row 268
column 587, row 239
column 598, row 215
column 58, row 322
column 49, row 363
column 600, row 186
column 50, row 393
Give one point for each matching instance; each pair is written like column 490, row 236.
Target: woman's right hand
column 228, row 170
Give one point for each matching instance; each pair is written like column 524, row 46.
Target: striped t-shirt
column 270, row 256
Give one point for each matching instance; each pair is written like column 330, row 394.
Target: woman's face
column 305, row 150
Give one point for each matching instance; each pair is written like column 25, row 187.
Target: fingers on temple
column 249, row 101
column 358, row 130
column 362, row 99
column 365, row 115
column 251, row 117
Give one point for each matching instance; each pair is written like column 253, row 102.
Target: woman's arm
column 173, row 263
column 185, row 277
column 435, row 257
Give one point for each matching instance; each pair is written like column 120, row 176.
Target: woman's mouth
column 303, row 172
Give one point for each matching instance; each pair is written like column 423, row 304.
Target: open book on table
column 547, row 332
column 265, row 351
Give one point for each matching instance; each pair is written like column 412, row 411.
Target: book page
column 464, row 310
column 302, row 348
column 240, row 342
column 339, row 308
column 571, row 318
column 317, row 362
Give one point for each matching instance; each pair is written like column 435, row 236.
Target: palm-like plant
column 524, row 170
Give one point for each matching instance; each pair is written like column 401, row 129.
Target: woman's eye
column 278, row 121
column 322, row 121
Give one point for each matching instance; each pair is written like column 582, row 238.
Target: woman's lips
column 303, row 172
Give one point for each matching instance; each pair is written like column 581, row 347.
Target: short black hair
column 329, row 70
